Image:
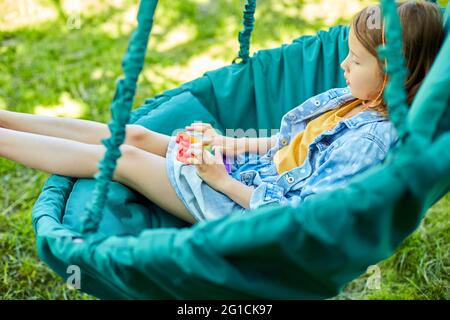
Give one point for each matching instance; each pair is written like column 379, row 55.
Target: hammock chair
column 128, row 248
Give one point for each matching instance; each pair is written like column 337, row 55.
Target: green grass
column 44, row 65
column 419, row 269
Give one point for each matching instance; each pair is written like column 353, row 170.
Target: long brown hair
column 423, row 35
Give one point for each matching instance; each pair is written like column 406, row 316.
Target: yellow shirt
column 294, row 154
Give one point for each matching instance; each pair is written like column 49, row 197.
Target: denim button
column 77, row 239
column 292, row 116
column 317, row 103
column 284, row 142
column 290, row 179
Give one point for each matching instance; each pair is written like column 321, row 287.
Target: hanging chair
column 128, row 248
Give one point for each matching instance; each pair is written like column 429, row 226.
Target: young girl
column 322, row 143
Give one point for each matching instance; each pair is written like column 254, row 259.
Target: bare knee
column 135, row 134
column 130, row 156
column 147, row 140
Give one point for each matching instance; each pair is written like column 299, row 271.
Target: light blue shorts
column 204, row 202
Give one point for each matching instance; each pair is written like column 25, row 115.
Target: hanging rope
column 395, row 93
column 132, row 65
column 245, row 34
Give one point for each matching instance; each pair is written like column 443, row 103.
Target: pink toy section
column 184, row 140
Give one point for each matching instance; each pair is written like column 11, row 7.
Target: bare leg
column 140, row 170
column 83, row 130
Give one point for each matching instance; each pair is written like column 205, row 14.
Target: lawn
column 62, row 58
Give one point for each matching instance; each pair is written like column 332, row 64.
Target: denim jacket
column 334, row 157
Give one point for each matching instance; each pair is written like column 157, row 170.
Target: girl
column 322, row 143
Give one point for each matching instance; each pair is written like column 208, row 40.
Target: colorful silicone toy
column 184, row 141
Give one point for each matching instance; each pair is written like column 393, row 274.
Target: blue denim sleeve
column 266, row 193
column 353, row 156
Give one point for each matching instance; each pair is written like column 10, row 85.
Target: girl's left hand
column 210, row 168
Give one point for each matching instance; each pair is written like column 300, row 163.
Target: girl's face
column 361, row 70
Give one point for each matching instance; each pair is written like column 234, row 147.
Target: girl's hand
column 210, row 168
column 229, row 145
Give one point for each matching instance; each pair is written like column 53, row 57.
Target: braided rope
column 132, row 65
column 245, row 34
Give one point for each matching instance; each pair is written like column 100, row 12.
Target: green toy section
column 128, row 248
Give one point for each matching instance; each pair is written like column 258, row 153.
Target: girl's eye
column 354, row 61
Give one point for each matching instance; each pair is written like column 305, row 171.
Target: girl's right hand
column 230, row 146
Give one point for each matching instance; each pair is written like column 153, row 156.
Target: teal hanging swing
column 128, row 248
